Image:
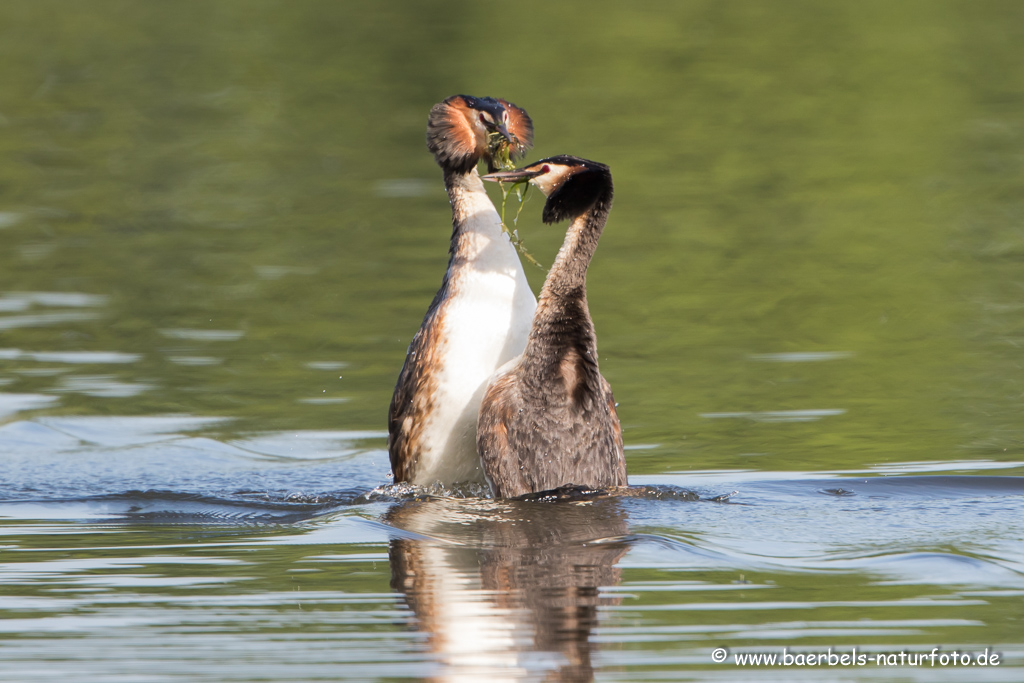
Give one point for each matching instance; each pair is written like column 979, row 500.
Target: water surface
column 219, row 229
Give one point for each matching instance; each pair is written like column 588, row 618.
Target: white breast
column 485, row 322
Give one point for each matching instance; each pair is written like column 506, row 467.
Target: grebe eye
column 545, row 168
column 483, row 119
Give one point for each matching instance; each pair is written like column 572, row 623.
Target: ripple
column 12, row 322
column 935, row 568
column 403, row 187
column 16, row 403
column 195, row 360
column 40, row 372
column 124, row 431
column 778, row 415
column 101, row 386
column 277, row 272
column 57, row 299
column 801, row 356
column 943, row 466
column 13, row 305
column 203, row 335
column 27, row 437
column 308, row 445
column 9, row 218
column 326, row 365
column 85, row 357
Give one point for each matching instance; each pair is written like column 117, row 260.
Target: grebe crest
column 461, row 129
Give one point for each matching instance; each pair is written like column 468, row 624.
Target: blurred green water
column 791, row 178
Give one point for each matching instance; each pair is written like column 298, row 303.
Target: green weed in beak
column 520, row 190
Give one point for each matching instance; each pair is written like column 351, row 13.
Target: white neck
column 485, row 321
column 481, row 242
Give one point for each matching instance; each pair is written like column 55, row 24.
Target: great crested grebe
column 479, row 319
column 548, row 418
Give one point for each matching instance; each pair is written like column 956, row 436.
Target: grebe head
column 463, row 129
column 572, row 185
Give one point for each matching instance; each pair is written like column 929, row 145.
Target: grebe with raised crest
column 481, row 315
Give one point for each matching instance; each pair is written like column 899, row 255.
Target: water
column 219, row 229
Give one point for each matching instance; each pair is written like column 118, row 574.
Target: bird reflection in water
column 507, row 590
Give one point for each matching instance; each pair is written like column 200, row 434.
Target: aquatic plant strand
column 501, row 155
column 513, row 234
column 501, row 151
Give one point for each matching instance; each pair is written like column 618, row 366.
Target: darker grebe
column 548, row 418
column 479, row 319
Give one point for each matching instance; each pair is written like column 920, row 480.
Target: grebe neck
column 563, row 318
column 476, row 227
